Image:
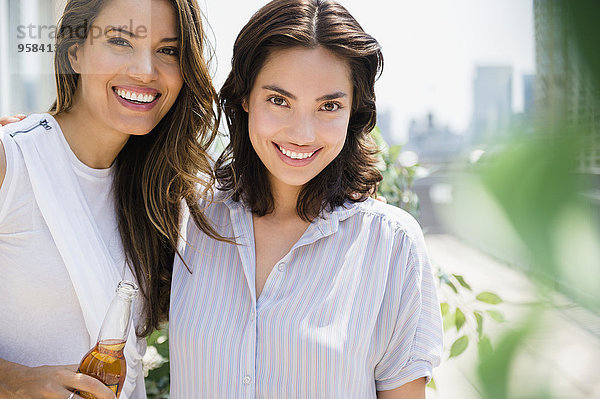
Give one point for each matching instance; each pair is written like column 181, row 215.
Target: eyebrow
column 120, row 30
column 332, row 96
column 128, row 33
column 280, row 91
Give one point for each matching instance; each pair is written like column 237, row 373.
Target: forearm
column 18, row 381
column 412, row 390
column 8, row 370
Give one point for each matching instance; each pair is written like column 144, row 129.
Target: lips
column 136, row 98
column 295, row 155
column 297, row 158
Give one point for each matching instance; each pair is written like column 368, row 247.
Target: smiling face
column 298, row 113
column 129, row 66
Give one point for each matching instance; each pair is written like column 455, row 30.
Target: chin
column 140, row 132
column 137, row 129
column 296, row 182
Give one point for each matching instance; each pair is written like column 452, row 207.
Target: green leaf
column 163, row 349
column 459, row 346
column 444, row 307
column 159, row 372
column 479, row 318
column 498, row 316
column 449, row 321
column 448, row 282
column 151, row 340
column 432, row 384
column 462, row 281
column 494, row 370
column 459, row 319
column 394, row 152
column 489, row 297
column 484, row 347
column 443, row 277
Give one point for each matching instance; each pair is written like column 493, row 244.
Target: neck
column 284, row 201
column 95, row 146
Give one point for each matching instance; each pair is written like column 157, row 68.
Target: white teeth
column 295, row 155
column 142, row 98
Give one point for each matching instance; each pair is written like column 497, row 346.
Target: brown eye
column 119, row 42
column 170, row 51
column 330, row 107
column 280, row 101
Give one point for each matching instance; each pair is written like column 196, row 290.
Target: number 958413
column 36, row 48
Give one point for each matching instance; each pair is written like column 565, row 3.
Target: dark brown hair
column 284, row 24
column 155, row 172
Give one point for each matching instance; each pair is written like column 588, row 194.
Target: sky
column 431, row 49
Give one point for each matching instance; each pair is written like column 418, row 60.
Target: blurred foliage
column 156, row 364
column 397, row 179
column 538, row 184
column 464, row 313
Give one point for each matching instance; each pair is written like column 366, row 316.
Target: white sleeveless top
column 41, row 321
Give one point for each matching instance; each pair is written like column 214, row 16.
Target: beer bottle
column 106, row 360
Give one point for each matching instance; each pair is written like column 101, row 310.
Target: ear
column 245, row 104
column 74, row 57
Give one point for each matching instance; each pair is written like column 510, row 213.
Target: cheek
column 100, row 61
column 261, row 124
column 173, row 78
column 93, row 85
column 255, row 133
column 336, row 132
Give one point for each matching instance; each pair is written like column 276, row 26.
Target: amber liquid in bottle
column 106, row 360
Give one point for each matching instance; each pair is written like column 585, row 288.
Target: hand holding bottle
column 18, row 381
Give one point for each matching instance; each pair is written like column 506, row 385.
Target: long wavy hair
column 156, row 172
column 283, row 24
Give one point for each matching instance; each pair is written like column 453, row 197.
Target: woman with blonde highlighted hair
column 92, row 192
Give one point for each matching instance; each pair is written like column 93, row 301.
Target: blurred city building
column 434, row 143
column 528, row 94
column 27, row 34
column 564, row 85
column 564, row 88
column 385, row 125
column 492, row 103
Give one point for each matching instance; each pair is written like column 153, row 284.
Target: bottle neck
column 117, row 322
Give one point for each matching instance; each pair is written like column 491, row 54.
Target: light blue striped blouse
column 350, row 310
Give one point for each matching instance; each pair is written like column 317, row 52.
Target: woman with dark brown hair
column 92, row 192
column 327, row 293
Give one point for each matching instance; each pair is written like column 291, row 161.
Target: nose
column 142, row 67
column 301, row 130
